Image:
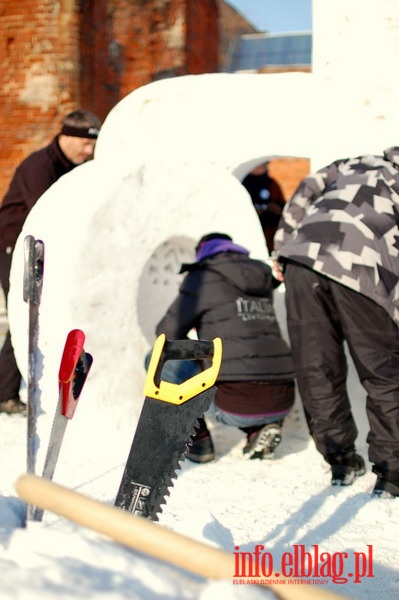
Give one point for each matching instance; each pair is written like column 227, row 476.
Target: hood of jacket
column 248, row 275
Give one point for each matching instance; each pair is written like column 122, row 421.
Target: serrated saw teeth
column 165, row 427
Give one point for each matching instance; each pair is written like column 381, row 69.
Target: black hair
column 213, row 236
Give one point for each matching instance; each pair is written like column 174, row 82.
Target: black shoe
column 387, row 484
column 201, row 449
column 13, row 406
column 262, row 443
column 345, row 467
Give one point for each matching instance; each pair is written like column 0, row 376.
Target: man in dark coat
column 338, row 246
column 267, row 198
column 227, row 294
column 73, row 146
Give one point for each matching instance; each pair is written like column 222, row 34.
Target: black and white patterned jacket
column 343, row 222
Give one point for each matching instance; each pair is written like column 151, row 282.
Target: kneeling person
column 229, row 295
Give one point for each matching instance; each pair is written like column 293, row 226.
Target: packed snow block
column 230, row 119
column 166, row 171
column 224, row 119
column 113, row 249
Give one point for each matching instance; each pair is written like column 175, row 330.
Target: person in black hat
column 73, row 146
column 229, row 295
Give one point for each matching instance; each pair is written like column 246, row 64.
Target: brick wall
column 59, row 56
column 289, row 172
column 231, row 25
column 38, row 74
column 202, row 22
column 98, row 56
column 149, row 41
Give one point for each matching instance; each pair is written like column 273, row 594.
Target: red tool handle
column 75, row 365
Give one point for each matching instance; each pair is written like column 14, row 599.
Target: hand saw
column 169, row 414
column 74, row 368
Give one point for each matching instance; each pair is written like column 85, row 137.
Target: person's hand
column 278, row 273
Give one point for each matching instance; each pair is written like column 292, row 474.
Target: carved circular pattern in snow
column 159, row 281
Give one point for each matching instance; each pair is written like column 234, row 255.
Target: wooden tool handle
column 144, row 536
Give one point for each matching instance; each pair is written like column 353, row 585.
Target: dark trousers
column 10, row 377
column 321, row 315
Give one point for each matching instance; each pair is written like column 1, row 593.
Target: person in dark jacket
column 227, row 294
column 339, row 251
column 73, row 146
column 267, row 198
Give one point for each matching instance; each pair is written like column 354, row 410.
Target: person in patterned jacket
column 337, row 249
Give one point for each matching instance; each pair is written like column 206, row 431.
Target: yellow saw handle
column 165, row 350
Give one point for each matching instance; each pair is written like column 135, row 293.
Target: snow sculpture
column 163, row 175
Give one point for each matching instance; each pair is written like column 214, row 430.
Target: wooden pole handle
column 145, row 536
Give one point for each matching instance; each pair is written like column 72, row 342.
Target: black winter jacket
column 31, row 179
column 230, row 296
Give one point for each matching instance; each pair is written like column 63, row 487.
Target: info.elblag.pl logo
column 309, row 566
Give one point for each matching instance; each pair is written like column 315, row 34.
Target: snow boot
column 13, row 406
column 346, row 465
column 262, row 441
column 387, row 484
column 201, row 449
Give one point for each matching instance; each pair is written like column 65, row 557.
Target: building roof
column 251, row 52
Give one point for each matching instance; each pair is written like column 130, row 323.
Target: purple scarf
column 215, row 246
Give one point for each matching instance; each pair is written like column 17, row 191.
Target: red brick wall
column 98, row 57
column 202, row 24
column 59, row 56
column 289, row 172
column 231, row 25
column 38, row 75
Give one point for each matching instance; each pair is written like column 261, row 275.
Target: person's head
column 78, row 135
column 212, row 236
column 215, row 243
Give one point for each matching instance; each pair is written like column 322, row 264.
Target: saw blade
column 55, row 442
column 74, row 368
column 62, row 415
column 32, row 289
column 159, row 446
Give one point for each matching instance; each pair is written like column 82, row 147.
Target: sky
column 276, row 16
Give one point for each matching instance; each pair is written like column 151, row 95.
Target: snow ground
column 229, row 502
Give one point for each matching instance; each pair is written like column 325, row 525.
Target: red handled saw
column 74, row 369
